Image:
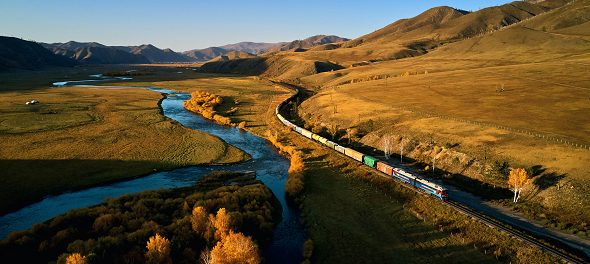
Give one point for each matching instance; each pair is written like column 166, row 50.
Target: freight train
column 421, row 184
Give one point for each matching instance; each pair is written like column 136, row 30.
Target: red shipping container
column 384, row 168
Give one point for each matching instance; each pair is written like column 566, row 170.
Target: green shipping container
column 370, row 161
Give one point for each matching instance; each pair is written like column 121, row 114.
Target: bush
column 307, row 249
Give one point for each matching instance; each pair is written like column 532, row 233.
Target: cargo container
column 354, row 154
column 306, row 133
column 384, row 168
column 339, row 148
column 330, row 144
column 370, row 161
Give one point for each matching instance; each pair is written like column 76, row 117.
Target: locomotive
column 419, row 183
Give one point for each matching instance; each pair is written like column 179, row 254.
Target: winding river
column 271, row 168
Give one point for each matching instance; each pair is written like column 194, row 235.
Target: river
column 271, row 168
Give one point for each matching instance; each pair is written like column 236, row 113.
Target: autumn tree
column 75, row 259
column 518, row 179
column 158, row 250
column 200, row 221
column 235, row 248
column 333, row 130
column 387, row 145
column 297, row 164
column 222, row 224
column 206, row 257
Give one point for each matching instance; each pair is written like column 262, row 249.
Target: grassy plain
column 78, row 137
column 254, row 95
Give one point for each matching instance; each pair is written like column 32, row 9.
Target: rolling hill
column 251, row 47
column 72, row 45
column 234, row 55
column 108, row 55
column 307, row 43
column 20, row 54
column 151, row 53
column 155, row 55
column 200, row 55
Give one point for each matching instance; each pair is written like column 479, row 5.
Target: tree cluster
column 204, row 103
column 296, row 182
column 118, row 230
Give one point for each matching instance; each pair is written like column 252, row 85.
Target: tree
column 401, row 150
column 75, row 259
column 387, row 146
column 235, row 248
column 307, row 249
column 158, row 250
column 518, row 179
column 333, row 130
column 200, row 221
column 222, row 224
column 206, row 257
column 500, row 170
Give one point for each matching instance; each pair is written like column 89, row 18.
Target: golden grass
column 547, row 98
column 254, row 95
column 79, row 136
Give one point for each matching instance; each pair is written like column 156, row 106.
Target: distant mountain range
column 22, row 54
column 96, row 53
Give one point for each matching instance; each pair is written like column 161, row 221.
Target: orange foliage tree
column 203, row 103
column 518, row 179
column 158, row 250
column 222, row 224
column 235, row 248
column 200, row 221
column 76, row 259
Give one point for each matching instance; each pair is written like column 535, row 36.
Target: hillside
column 150, row 52
column 278, row 66
column 402, row 39
column 251, row 47
column 108, row 55
column 155, row 55
column 72, row 45
column 200, row 55
column 421, row 34
column 306, row 43
column 20, row 54
column 234, row 55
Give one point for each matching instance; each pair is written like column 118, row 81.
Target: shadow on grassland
column 24, row 182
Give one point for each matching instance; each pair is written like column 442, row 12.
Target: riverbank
column 77, row 138
column 117, row 230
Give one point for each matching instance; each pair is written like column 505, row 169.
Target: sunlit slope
column 284, row 65
column 402, row 39
column 419, row 35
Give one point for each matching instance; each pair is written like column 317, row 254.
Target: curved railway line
column 453, row 204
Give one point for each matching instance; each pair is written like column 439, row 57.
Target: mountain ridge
column 16, row 53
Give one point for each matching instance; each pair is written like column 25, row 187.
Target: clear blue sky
column 185, row 25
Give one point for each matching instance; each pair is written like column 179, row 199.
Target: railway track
column 531, row 241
